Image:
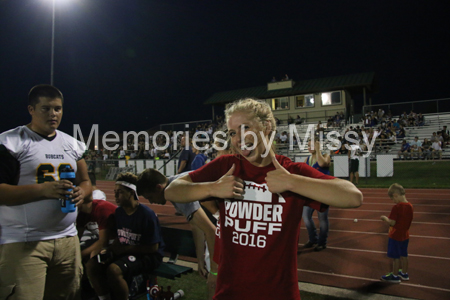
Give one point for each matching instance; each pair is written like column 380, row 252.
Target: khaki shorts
column 38, row 270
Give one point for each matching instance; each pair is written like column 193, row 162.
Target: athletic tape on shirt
column 129, row 185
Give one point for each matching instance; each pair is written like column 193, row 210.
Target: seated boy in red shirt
column 96, row 216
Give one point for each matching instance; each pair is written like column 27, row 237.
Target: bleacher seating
column 433, row 123
column 297, row 154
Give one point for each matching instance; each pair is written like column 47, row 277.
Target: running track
column 356, row 254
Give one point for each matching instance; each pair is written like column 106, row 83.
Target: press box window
column 304, row 101
column 331, row 98
column 280, row 103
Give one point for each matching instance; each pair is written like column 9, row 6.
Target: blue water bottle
column 67, row 173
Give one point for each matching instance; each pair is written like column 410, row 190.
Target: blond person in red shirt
column 262, row 198
column 399, row 221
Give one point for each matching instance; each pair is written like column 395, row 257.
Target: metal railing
column 423, row 106
column 306, row 117
column 181, row 126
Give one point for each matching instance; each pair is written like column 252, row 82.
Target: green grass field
column 411, row 174
column 194, row 288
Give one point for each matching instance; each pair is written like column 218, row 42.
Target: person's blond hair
column 258, row 110
column 396, row 188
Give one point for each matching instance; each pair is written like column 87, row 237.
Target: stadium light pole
column 53, row 43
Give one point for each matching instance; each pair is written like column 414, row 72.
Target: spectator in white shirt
column 436, row 149
column 416, row 147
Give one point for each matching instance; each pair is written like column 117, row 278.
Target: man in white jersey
column 40, row 253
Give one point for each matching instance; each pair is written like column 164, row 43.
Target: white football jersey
column 40, row 160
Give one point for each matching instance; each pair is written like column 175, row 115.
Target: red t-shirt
column 258, row 235
column 402, row 213
column 102, row 214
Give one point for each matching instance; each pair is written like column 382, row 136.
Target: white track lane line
column 378, row 220
column 384, row 252
column 375, row 280
column 387, row 211
column 381, row 233
column 414, row 198
column 415, row 204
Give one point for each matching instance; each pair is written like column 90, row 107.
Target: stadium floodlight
column 52, row 55
column 53, row 42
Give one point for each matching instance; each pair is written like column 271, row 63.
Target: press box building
column 312, row 100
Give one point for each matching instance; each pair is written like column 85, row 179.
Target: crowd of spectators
column 376, row 125
column 391, row 130
column 142, row 149
column 338, row 120
column 373, row 119
column 428, row 149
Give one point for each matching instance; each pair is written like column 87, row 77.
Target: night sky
column 131, row 65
